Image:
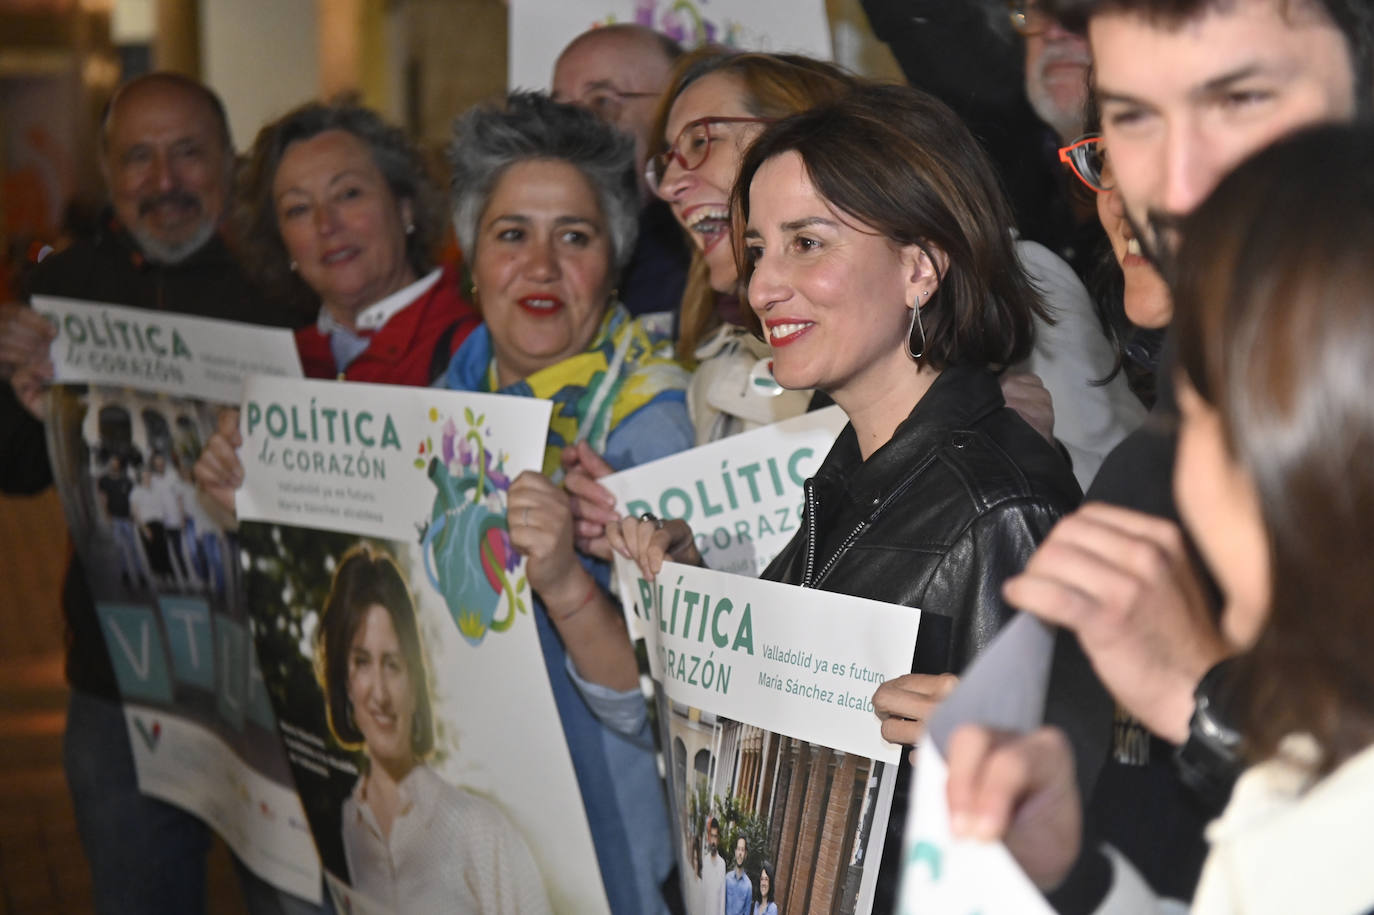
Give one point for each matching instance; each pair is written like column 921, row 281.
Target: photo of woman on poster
column 412, row 841
column 765, row 902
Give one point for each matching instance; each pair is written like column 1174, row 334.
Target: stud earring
column 410, row 228
column 293, row 266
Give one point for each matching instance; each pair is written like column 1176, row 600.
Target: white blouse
column 449, row 851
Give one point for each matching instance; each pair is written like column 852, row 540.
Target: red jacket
column 412, row 348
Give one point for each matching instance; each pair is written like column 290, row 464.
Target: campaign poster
column 396, row 637
column 137, row 395
column 539, row 31
column 941, row 873
column 1003, row 690
column 742, row 496
column 776, row 769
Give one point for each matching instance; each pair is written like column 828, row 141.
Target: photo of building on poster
column 786, row 821
column 162, row 573
column 763, row 700
column 397, row 639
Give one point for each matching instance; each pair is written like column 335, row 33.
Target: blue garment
column 761, row 909
column 344, row 345
column 608, row 732
column 126, row 538
column 657, row 272
column 739, row 892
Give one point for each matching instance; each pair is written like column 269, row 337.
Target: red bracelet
column 591, row 592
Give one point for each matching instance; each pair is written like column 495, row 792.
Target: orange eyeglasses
column 1086, row 157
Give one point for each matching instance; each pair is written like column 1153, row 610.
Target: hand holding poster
column 943, row 874
column 398, row 643
column 1004, row 689
column 133, row 406
column 743, row 495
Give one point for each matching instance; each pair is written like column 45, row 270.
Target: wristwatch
column 1211, row 760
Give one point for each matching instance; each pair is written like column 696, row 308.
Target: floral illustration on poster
column 688, row 22
column 466, row 543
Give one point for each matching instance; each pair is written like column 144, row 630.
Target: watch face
column 1209, row 719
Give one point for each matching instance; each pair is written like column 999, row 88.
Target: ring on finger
column 654, row 519
column 525, row 516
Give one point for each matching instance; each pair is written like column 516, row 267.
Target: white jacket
column 1285, row 845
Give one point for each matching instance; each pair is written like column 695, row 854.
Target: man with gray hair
column 167, row 160
column 1057, row 63
column 619, row 72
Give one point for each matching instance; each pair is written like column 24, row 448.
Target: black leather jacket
column 938, row 518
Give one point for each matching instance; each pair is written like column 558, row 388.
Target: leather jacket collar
column 958, row 399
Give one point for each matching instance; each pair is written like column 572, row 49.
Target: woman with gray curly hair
column 337, row 214
column 545, row 204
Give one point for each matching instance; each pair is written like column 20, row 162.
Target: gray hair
column 490, row 138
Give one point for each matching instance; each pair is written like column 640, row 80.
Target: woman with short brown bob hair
column 366, row 578
column 902, row 163
column 879, row 262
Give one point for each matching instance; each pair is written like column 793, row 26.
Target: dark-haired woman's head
column 1274, row 314
column 370, row 661
column 336, row 207
column 765, row 889
column 849, row 216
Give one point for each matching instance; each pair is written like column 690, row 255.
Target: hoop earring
column 916, row 325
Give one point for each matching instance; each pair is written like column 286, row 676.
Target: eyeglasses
column 1027, row 17
column 607, row 102
column 690, row 149
column 1087, row 158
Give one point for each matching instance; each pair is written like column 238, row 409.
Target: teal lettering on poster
column 231, row 651
column 190, row 638
column 136, row 651
column 746, row 485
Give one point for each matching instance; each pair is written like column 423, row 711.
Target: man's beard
column 164, row 251
column 1159, row 243
column 1066, row 120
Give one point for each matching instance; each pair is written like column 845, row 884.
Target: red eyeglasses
column 691, row 148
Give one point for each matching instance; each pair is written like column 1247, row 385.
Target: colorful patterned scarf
column 623, row 370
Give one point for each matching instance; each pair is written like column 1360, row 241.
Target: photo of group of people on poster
column 764, row 817
column 148, row 529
